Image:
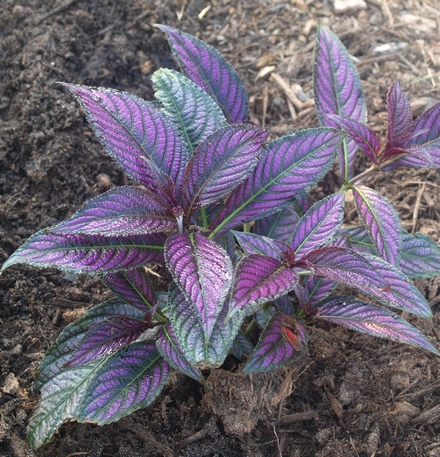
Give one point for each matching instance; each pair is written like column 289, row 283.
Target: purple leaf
column 361, row 134
column 256, row 244
column 194, row 113
column 420, row 257
column 289, row 165
column 401, row 292
column 399, row 117
column 414, row 156
column 345, row 266
column 131, row 129
column 129, row 380
column 366, row 318
column 278, row 226
column 88, row 253
column 285, row 305
column 208, row 69
column 59, row 405
column 169, row 349
column 282, row 342
column 426, row 132
column 317, row 289
column 203, row 271
column 319, row 224
column 106, row 338
column 190, row 333
column 259, row 279
column 381, row 221
column 242, row 346
column 338, row 90
column 133, row 286
column 123, row 211
column 220, row 163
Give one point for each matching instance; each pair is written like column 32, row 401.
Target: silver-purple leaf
column 190, row 332
column 278, row 226
column 129, row 380
column 242, row 346
column 170, row 350
column 63, row 390
column 381, row 221
column 133, row 286
column 282, row 342
column 259, row 279
column 285, row 305
column 289, row 165
column 131, row 129
column 88, row 253
column 317, row 289
column 252, row 243
column 345, row 266
column 106, row 338
column 399, row 117
column 366, row 318
column 203, row 271
column 338, row 90
column 426, row 132
column 420, row 257
column 362, row 135
column 123, row 211
column 220, row 163
column 401, row 292
column 208, row 69
column 319, row 224
column 193, row 112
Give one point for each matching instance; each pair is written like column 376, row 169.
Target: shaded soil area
column 352, row 395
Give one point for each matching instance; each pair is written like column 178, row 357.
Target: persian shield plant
column 229, row 215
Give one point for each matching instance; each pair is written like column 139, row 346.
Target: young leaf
column 88, row 253
column 259, row 279
column 106, row 338
column 256, row 244
column 420, row 257
column 289, row 165
column 133, row 286
column 366, row 318
column 187, row 106
column 129, row 380
column 242, row 346
column 203, row 271
column 208, row 69
column 399, row 117
column 169, row 349
column 362, row 135
column 124, row 211
column 61, row 404
column 426, row 132
column 190, row 333
column 131, row 128
column 220, row 163
column 282, row 342
column 401, row 292
column 381, row 221
column 319, row 224
column 338, row 90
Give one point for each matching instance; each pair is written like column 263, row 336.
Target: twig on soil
column 387, row 12
column 299, row 417
column 417, row 208
column 289, row 93
column 58, row 10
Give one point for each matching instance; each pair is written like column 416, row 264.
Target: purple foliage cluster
column 230, row 217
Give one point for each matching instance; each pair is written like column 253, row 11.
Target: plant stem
column 360, row 177
column 250, row 327
column 204, row 218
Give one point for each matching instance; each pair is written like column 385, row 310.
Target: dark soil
column 352, row 395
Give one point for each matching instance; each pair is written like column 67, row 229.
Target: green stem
column 250, row 327
column 204, row 218
column 361, row 176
